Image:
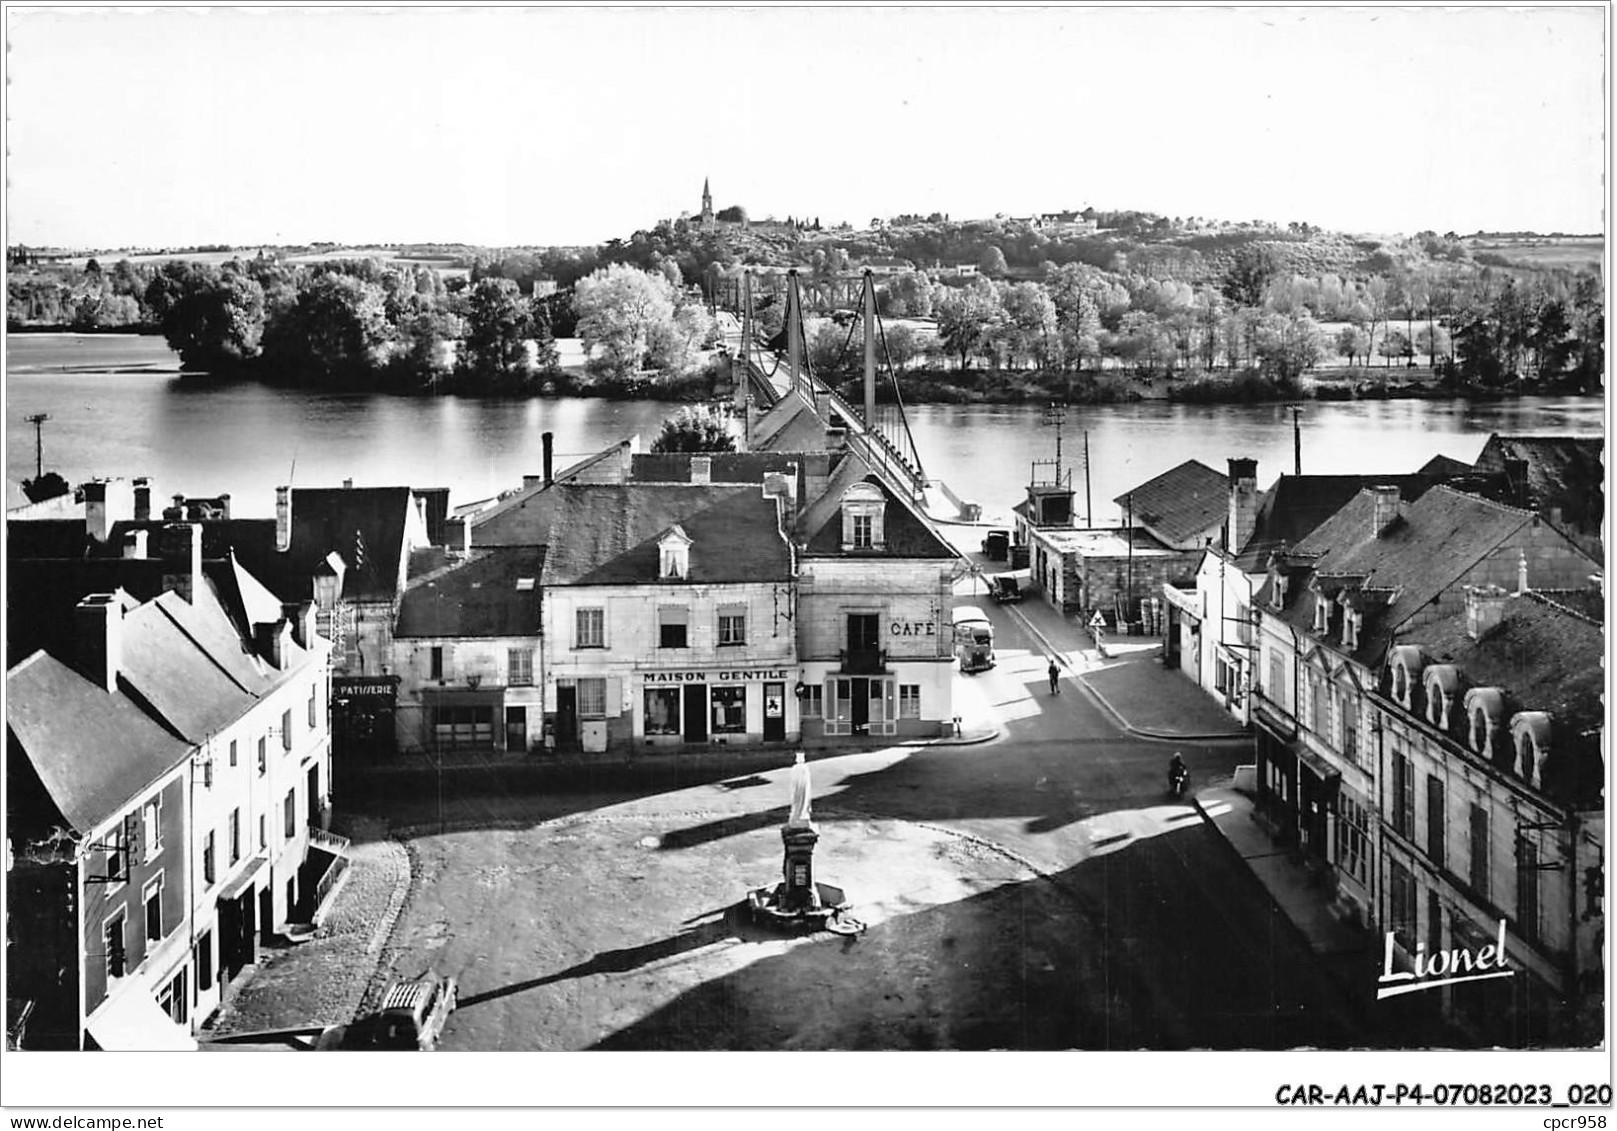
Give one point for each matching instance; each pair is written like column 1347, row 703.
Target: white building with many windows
column 874, row 611
column 669, row 617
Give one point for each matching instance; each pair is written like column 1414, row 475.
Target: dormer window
column 1277, row 589
column 1351, row 621
column 674, row 555
column 864, row 512
column 1322, row 615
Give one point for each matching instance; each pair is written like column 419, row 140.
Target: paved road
column 1038, row 891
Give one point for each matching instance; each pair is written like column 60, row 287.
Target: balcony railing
column 863, row 661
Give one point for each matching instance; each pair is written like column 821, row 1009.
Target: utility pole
column 1296, row 440
column 1089, row 520
column 38, row 421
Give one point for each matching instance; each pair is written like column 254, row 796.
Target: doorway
column 516, row 730
column 695, row 712
column 774, row 712
column 566, row 717
column 860, row 694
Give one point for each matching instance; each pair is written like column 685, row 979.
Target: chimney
column 1484, row 609
column 95, row 510
column 1386, row 509
column 135, row 544
column 347, row 484
column 1521, row 572
column 272, row 640
column 224, row 507
column 784, row 488
column 283, row 519
column 176, row 512
column 143, row 499
column 702, row 470
column 816, row 475
column 1243, row 502
column 1516, row 477
column 300, row 615
column 180, row 547
column 529, row 482
column 549, row 439
column 100, row 619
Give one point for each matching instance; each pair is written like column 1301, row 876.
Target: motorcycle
column 1178, row 779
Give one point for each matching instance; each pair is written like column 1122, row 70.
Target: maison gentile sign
column 734, row 675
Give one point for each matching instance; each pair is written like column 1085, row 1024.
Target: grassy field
column 1573, row 253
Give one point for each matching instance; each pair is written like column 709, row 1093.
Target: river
column 117, row 406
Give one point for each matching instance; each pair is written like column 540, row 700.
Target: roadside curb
column 1157, row 735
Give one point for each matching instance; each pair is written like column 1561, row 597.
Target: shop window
column 813, row 701
column 463, row 726
column 729, row 710
column 662, row 710
column 909, row 700
column 592, row 698
column 732, row 627
column 151, row 897
column 589, row 628
column 519, row 666
column 672, row 626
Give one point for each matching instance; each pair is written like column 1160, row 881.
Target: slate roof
column 727, row 467
column 1432, row 543
column 606, row 534
column 1562, row 471
column 476, row 596
column 1180, row 503
column 1296, row 505
column 819, row 524
column 789, row 426
column 326, row 519
column 524, row 517
column 91, row 751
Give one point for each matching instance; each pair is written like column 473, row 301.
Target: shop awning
column 1316, row 765
column 133, row 1022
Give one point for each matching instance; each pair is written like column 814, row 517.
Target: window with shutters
column 232, row 752
column 1348, row 713
column 1436, row 819
column 117, row 846
column 152, row 898
column 1527, row 925
column 289, row 814
column 589, row 628
column 1403, row 796
column 235, row 835
column 1276, row 691
column 1403, row 898
column 435, row 662
column 208, row 873
column 314, row 707
column 112, row 944
column 592, row 698
column 286, row 729
column 151, row 828
column 263, row 756
column 1479, row 851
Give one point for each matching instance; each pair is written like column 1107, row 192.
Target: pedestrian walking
column 1055, row 676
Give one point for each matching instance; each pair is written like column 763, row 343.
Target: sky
column 174, row 127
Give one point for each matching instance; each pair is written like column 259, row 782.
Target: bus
column 973, row 638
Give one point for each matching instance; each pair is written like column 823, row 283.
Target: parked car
column 1005, row 589
column 412, row 1017
column 997, row 545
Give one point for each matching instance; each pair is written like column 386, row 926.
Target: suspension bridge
column 781, row 369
